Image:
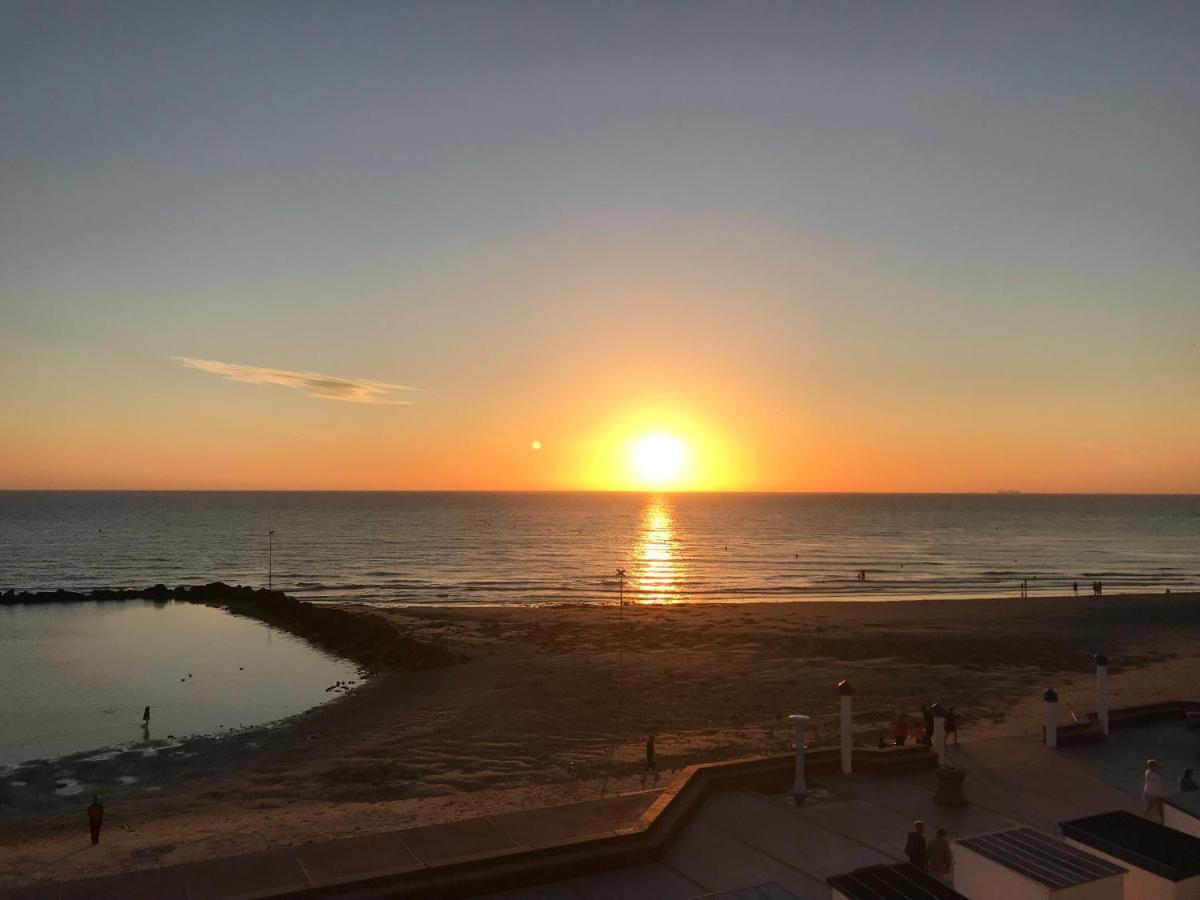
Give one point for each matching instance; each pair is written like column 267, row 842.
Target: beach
column 554, row 703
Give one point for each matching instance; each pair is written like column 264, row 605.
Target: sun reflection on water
column 658, row 572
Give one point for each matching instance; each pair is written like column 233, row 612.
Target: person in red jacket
column 901, row 732
column 95, row 814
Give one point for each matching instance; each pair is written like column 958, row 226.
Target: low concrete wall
column 643, row 842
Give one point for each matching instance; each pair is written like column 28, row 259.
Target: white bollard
column 847, row 693
column 1102, row 692
column 799, row 788
column 939, row 732
column 1051, row 698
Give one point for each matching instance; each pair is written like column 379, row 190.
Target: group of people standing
column 922, row 732
column 935, row 858
column 929, row 856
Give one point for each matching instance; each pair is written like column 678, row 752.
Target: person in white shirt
column 1152, row 792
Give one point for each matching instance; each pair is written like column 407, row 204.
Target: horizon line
column 639, row 491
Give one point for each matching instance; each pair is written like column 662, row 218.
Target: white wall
column 1111, row 888
column 1143, row 885
column 980, row 878
column 1180, row 821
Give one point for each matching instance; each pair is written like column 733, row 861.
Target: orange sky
column 827, row 249
column 179, row 428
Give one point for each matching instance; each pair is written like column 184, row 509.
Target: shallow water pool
column 78, row 676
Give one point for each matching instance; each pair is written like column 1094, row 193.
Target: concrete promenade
column 314, row 866
column 744, row 838
column 735, row 840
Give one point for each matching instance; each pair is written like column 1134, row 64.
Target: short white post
column 1051, row 698
column 847, row 693
column 939, row 732
column 799, row 788
column 1102, row 692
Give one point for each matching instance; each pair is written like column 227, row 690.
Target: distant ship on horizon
column 1009, row 491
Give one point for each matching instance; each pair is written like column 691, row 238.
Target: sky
column 807, row 246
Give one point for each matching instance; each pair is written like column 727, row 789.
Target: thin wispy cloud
column 327, row 387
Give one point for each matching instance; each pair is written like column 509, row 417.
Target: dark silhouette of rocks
column 358, row 636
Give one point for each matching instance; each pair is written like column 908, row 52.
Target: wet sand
column 553, row 704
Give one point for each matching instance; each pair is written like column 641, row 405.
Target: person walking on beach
column 650, row 753
column 900, row 733
column 914, row 847
column 1152, row 792
column 1075, row 587
column 1188, row 783
column 95, row 814
column 939, row 857
column 927, row 715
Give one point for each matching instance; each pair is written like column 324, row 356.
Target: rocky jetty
column 355, row 635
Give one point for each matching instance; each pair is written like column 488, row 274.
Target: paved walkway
column 737, row 840
column 741, row 838
column 308, row 866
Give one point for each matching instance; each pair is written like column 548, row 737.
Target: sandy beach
column 554, row 704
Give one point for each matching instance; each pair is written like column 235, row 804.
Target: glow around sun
column 656, row 450
column 659, row 460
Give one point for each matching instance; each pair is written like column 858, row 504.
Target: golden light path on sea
column 658, row 574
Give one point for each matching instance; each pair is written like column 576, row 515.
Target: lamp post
column 621, row 621
column 938, row 738
column 1102, row 692
column 270, row 557
column 1051, row 698
column 846, row 692
column 799, row 786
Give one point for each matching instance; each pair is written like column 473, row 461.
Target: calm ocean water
column 556, row 547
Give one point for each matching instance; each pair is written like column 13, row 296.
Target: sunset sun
column 658, row 459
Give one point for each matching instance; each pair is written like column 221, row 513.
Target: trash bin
column 950, row 787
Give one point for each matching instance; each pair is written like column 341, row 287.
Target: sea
column 204, row 671
column 553, row 548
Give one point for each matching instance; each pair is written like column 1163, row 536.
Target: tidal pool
column 78, row 676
